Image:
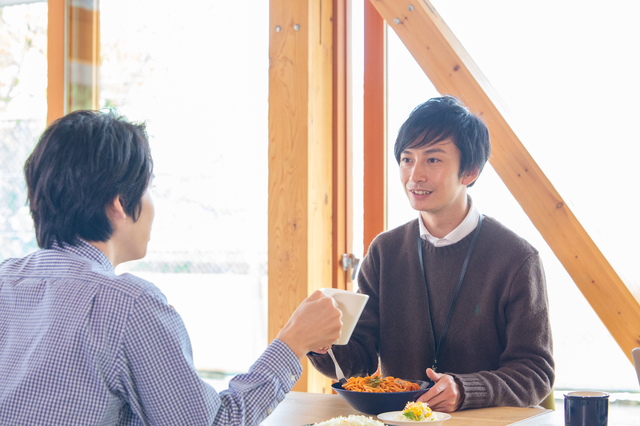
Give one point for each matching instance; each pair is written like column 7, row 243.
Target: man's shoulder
column 499, row 237
column 133, row 285
column 76, row 270
column 123, row 285
column 409, row 232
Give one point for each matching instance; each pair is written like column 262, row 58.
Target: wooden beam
column 300, row 160
column 83, row 37
column 56, row 60
column 452, row 71
column 375, row 130
column 342, row 145
column 73, row 57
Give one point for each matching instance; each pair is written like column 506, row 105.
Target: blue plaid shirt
column 80, row 345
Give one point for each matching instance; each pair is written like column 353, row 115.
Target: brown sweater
column 498, row 346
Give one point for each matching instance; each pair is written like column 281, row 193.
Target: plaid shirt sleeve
column 155, row 375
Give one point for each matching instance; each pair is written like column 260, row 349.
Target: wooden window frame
column 73, row 58
column 310, row 186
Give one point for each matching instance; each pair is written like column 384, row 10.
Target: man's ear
column 469, row 177
column 115, row 210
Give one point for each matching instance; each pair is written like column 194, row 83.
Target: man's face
column 431, row 181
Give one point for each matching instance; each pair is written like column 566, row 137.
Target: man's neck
column 441, row 223
column 106, row 247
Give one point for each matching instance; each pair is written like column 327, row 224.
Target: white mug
column 351, row 305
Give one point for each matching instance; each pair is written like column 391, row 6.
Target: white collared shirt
column 467, row 225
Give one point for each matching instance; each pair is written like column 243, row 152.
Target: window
column 573, row 98
column 197, row 73
column 23, row 109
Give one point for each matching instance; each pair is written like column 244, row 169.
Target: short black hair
column 81, row 163
column 442, row 118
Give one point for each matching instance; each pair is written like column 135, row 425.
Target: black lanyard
column 438, row 345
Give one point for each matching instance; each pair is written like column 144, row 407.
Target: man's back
column 80, row 345
column 63, row 320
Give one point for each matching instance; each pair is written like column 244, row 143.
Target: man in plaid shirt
column 80, row 345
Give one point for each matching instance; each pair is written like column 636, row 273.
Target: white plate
column 390, row 419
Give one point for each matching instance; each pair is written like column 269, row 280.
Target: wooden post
column 84, row 55
column 452, row 71
column 342, row 144
column 73, row 55
column 375, row 129
column 300, row 160
column 56, row 60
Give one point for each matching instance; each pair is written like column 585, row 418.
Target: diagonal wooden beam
column 452, row 71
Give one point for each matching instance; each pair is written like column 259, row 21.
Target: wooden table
column 300, row 408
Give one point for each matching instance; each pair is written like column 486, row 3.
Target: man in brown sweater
column 454, row 296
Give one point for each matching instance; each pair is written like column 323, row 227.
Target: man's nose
column 418, row 174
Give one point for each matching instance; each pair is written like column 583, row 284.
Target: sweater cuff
column 474, row 391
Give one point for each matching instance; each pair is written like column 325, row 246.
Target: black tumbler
column 586, row 408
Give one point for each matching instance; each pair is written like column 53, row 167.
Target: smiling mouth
column 419, row 192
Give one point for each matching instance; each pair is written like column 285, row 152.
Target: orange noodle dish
column 377, row 383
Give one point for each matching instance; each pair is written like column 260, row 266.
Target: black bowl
column 376, row 403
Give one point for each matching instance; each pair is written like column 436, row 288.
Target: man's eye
column 432, row 160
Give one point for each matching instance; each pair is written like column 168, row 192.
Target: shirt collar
column 467, row 225
column 86, row 250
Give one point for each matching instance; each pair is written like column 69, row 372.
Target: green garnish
column 375, row 381
column 410, row 416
